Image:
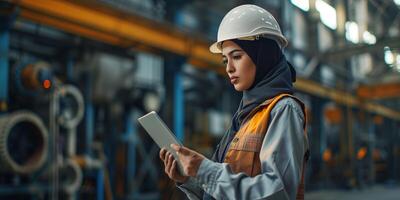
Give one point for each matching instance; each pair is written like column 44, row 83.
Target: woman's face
column 239, row 66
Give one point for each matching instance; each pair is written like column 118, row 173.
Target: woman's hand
column 171, row 167
column 190, row 161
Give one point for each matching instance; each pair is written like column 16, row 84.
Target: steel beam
column 381, row 91
column 345, row 98
column 112, row 28
column 341, row 53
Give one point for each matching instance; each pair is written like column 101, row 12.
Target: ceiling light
column 302, row 4
column 327, row 13
column 369, row 38
column 398, row 62
column 352, row 32
column 389, row 59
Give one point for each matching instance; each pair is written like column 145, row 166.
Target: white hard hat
column 248, row 22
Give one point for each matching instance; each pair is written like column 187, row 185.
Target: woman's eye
column 225, row 61
column 237, row 57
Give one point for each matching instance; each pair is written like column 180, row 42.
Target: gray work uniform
column 282, row 154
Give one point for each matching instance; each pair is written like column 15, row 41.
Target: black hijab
column 274, row 76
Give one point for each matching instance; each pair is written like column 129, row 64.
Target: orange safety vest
column 244, row 150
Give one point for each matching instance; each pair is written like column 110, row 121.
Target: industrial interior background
column 76, row 74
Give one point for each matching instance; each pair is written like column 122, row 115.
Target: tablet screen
column 160, row 133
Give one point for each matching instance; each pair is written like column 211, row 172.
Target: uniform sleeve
column 191, row 189
column 281, row 157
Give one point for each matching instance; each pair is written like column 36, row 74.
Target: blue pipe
column 89, row 127
column 179, row 115
column 89, row 111
column 4, row 45
column 100, row 184
column 7, row 20
column 70, row 68
column 130, row 135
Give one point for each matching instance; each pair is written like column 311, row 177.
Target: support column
column 4, row 45
column 179, row 106
column 7, row 16
column 174, row 65
column 100, row 184
column 70, row 67
column 89, row 117
column 315, row 140
column 132, row 141
column 350, row 158
column 371, row 147
column 394, row 150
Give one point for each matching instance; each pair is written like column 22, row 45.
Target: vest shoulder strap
column 272, row 102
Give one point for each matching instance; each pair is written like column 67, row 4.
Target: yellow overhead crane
column 381, row 91
column 113, row 27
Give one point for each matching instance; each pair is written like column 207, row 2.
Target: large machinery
column 67, row 121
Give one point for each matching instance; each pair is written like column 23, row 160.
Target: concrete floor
column 378, row 192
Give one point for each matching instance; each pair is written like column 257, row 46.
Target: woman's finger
column 162, row 154
column 171, row 159
column 166, row 160
column 181, row 150
column 169, row 163
column 172, row 170
column 166, row 169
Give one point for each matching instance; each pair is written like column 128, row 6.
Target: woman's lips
column 234, row 80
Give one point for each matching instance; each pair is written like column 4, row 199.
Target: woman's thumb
column 180, row 149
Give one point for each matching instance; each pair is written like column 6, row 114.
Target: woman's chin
column 238, row 88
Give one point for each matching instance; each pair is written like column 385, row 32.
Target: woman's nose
column 230, row 68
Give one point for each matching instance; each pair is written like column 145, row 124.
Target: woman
column 263, row 154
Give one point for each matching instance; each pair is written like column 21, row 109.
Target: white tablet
column 160, row 133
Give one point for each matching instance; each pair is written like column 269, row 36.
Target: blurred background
column 75, row 75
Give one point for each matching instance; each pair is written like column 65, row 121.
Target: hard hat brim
column 282, row 42
column 214, row 48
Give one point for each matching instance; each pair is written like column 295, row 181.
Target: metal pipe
column 71, row 142
column 70, row 68
column 179, row 106
column 89, row 121
column 130, row 135
column 71, row 177
column 54, row 132
column 4, row 46
column 100, row 184
column 72, row 110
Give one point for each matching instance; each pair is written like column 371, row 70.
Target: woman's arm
column 281, row 159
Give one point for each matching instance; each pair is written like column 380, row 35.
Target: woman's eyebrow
column 231, row 52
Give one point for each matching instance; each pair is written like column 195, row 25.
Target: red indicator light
column 46, row 84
